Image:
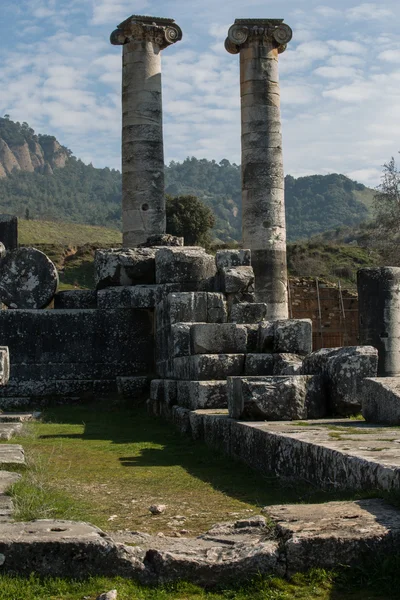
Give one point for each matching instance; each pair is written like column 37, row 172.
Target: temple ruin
column 207, row 341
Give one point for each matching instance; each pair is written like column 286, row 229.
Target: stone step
column 6, row 508
column 11, row 454
column 132, row 387
column 19, row 417
column 206, row 367
column 202, row 394
column 8, row 430
column 7, row 479
column 276, row 398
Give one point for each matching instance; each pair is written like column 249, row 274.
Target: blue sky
column 340, row 79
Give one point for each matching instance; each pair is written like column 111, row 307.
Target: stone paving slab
column 334, row 533
column 7, row 479
column 8, row 430
column 294, row 538
column 338, row 453
column 11, row 454
column 18, row 417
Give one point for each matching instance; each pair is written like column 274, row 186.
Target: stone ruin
column 207, row 339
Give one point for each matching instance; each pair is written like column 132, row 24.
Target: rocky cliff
column 22, row 150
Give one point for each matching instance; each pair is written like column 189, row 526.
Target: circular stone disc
column 28, row 279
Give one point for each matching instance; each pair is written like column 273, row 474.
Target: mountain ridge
column 42, row 179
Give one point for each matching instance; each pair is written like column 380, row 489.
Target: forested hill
column 313, row 204
column 39, row 178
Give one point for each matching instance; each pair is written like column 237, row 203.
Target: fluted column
column 143, row 197
column 259, row 42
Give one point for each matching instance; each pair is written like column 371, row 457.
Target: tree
column 387, row 213
column 189, row 218
column 387, row 198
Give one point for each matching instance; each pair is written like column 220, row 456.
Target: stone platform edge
column 280, row 453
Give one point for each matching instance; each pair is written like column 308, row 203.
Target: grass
column 60, row 233
column 106, row 465
column 318, row 584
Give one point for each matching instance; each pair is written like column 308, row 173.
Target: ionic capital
column 245, row 31
column 162, row 32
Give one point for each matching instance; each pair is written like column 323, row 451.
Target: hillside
column 42, row 179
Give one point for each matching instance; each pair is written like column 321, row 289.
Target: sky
column 340, row 79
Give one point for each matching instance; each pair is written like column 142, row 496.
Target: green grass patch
column 108, row 465
column 33, row 232
column 379, row 581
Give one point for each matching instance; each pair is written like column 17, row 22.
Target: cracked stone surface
column 11, row 454
column 334, row 453
column 7, row 430
column 28, row 279
column 292, row 538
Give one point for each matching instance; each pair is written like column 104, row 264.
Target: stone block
column 124, row 266
column 381, row 400
column 78, row 344
column 104, row 388
column 266, row 336
column 272, row 398
column 232, row 299
column 335, row 533
column 287, row 364
column 248, row 312
column 203, row 367
column 226, row 259
column 170, row 392
column 187, row 265
column 343, row 370
column 163, row 239
column 180, row 340
column 132, row 387
column 202, row 394
column 218, row 338
column 29, row 388
column 237, row 280
column 252, row 337
column 76, row 299
column 4, row 365
column 293, row 336
column 136, row 296
column 186, row 307
column 157, row 390
column 70, row 387
column 217, row 311
column 259, row 364
column 181, row 419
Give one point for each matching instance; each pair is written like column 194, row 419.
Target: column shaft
column 143, row 201
column 379, row 315
column 263, row 225
column 143, row 198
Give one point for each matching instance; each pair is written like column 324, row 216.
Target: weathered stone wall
column 74, row 352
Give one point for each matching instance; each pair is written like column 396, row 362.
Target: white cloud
column 327, row 11
column 368, row 11
column 113, row 12
column 347, row 46
column 339, row 72
column 391, row 56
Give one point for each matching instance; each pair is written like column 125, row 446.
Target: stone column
column 379, row 315
column 143, row 199
column 259, row 41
